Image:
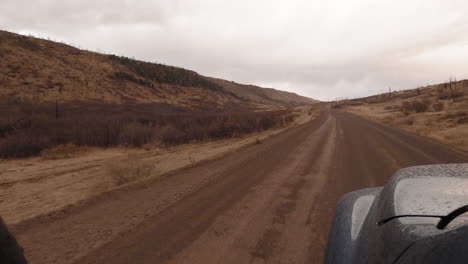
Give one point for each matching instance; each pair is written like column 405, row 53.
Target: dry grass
column 38, row 70
column 457, row 138
column 438, row 112
column 404, row 121
column 64, row 151
column 133, row 168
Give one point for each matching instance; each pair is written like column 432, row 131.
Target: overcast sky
column 321, row 49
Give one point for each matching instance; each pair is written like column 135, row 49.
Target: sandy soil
column 264, row 203
column 38, row 187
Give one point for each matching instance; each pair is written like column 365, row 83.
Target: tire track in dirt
column 366, row 155
column 288, row 238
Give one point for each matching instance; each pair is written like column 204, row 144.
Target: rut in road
column 268, row 203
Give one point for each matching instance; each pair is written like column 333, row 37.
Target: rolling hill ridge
column 39, row 70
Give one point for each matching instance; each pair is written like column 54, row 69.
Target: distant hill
column 263, row 96
column 39, row 70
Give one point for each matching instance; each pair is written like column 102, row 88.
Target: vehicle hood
column 425, row 190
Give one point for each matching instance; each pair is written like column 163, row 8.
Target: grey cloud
column 79, row 14
column 322, row 49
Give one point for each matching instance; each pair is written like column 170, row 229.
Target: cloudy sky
column 321, row 49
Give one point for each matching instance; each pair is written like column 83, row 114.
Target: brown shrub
column 23, row 144
column 439, row 106
column 290, row 118
column 463, row 120
column 457, row 94
column 450, row 93
column 419, row 106
column 62, row 151
column 27, row 43
column 443, row 95
column 128, row 125
column 406, row 107
column 160, row 73
column 135, row 134
column 392, row 107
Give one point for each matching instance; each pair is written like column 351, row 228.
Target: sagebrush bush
column 419, row 106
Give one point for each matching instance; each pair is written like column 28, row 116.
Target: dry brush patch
column 64, row 151
column 27, row 129
column 438, row 112
column 418, row 106
column 133, row 168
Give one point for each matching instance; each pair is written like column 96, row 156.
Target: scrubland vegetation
column 438, row 112
column 56, row 99
column 27, row 129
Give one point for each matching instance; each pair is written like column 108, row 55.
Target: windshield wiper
column 386, row 220
column 443, row 222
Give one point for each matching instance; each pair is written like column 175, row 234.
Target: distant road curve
column 267, row 203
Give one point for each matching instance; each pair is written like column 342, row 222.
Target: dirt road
column 267, row 203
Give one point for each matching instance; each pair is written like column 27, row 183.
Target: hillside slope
column 438, row 112
column 39, row 70
column 263, row 96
